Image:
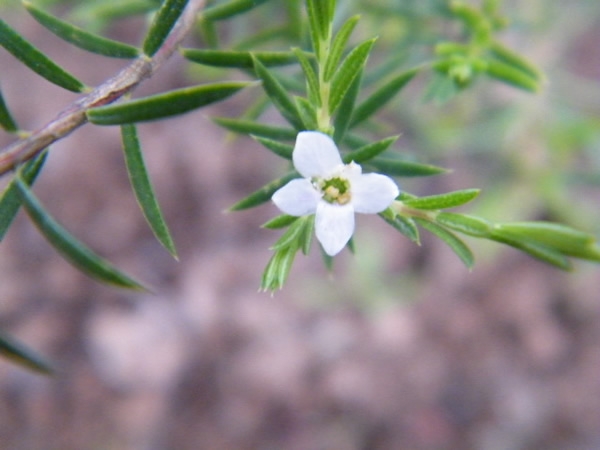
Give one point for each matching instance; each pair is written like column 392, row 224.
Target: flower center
column 335, row 190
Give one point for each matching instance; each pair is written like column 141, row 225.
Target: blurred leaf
column 312, row 82
column 163, row 105
column 239, row 59
column 458, row 246
column 264, row 194
column 36, row 60
column 142, row 187
column 6, row 120
column 280, row 221
column 209, row 33
column 10, row 202
column 255, row 128
column 440, row 88
column 347, row 71
column 162, row 24
column 369, row 151
column 74, row 251
column 307, row 113
column 338, row 47
column 381, row 96
column 404, row 225
column 400, row 168
column 23, row 356
column 344, row 115
column 95, row 13
column 278, row 95
column 471, row 225
column 512, row 58
column 81, row 38
column 229, row 9
column 279, row 148
column 443, row 201
column 511, row 75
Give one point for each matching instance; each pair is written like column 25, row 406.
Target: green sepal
column 343, row 117
column 470, row 225
column 81, row 38
column 36, row 60
column 369, row 151
column 456, row 244
column 167, row 104
column 10, row 201
column 443, row 201
column 278, row 95
column 347, row 71
column 6, row 120
column 19, row 354
column 239, row 59
column 263, row 194
column 280, row 221
column 73, row 250
column 279, row 148
column 307, row 113
column 401, row 168
column 142, row 187
column 381, row 96
column 254, row 128
column 312, row 83
column 404, row 225
column 228, row 9
column 162, row 24
column 338, row 46
column 512, row 75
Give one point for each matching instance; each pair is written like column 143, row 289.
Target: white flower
column 332, row 190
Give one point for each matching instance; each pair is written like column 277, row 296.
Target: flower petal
column 315, row 154
column 297, row 198
column 334, row 225
column 373, row 192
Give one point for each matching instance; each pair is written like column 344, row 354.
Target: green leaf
column 142, row 187
column 346, row 109
column 279, row 148
column 369, row 151
column 511, row 75
column 381, row 96
column 401, row 168
column 81, row 38
column 348, row 70
column 20, row 354
column 163, row 105
column 10, row 202
column 404, row 225
column 162, row 24
column 208, row 31
column 338, row 46
column 36, row 60
column 307, row 113
column 278, row 95
column 319, row 18
column 96, row 13
column 312, row 83
column 280, row 221
column 471, row 225
column 440, row 88
column 229, row 9
column 536, row 250
column 512, row 58
column 290, row 237
column 458, row 246
column 443, row 201
column 255, row 128
column 239, row 59
column 264, row 194
column 307, row 233
column 74, row 251
column 6, row 120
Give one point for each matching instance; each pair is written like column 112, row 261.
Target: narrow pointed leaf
column 346, row 109
column 279, row 148
column 278, row 95
column 168, row 104
column 142, row 187
column 401, row 168
column 10, row 202
column 381, row 97
column 307, row 234
column 73, row 250
column 264, row 194
column 258, row 129
column 162, row 24
column 457, row 245
column 404, row 225
column 464, row 223
column 98, row 13
column 229, row 9
column 348, row 70
column 239, row 59
column 307, row 113
column 18, row 353
column 443, row 201
column 320, row 17
column 36, row 60
column 312, row 83
column 514, row 59
column 280, row 221
column 369, row 151
column 81, row 38
column 6, row 120
column 511, row 75
column 536, row 250
column 291, row 235
column 338, row 47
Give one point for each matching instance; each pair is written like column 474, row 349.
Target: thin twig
column 74, row 115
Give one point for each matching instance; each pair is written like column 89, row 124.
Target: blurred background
column 400, row 347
